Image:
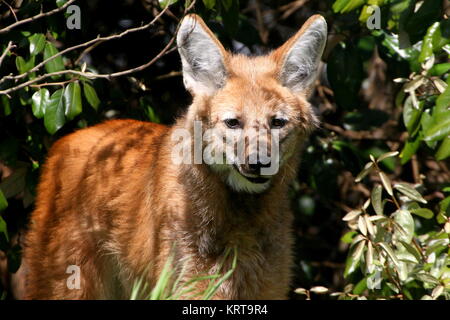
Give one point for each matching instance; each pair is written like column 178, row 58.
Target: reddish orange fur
column 111, row 201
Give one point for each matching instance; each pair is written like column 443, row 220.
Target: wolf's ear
column 299, row 57
column 202, row 56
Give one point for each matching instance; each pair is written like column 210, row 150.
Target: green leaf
column 209, row 4
column 3, row 229
column 444, row 210
column 21, row 64
column 227, row 4
column 3, row 201
column 409, row 149
column 91, row 95
column 387, row 155
column 376, row 199
column 39, row 102
column 54, row 113
column 427, row 43
column 24, row 66
column 427, row 278
column 55, row 64
column 165, row 3
column 343, row 6
column 60, row 3
column 410, row 192
column 412, row 250
column 411, row 115
column 72, row 99
column 438, row 131
column 423, row 212
column 348, row 237
column 442, row 103
column 405, row 221
column 444, row 150
column 37, row 43
column 439, row 69
column 364, row 172
column 351, row 215
column 354, row 259
column 389, row 252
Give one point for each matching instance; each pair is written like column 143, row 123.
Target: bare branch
column 10, row 9
column 82, row 45
column 36, row 17
column 92, row 75
column 167, row 49
column 8, row 48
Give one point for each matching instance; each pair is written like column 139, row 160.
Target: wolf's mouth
column 252, row 179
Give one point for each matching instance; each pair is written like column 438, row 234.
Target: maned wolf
column 115, row 203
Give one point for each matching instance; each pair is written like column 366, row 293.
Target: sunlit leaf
column 72, row 100
column 354, row 259
column 362, row 225
column 91, row 95
column 319, row 290
column 387, row 155
column 352, row 215
column 364, row 172
column 369, row 258
column 376, row 199
column 37, row 43
column 55, row 64
column 54, row 113
column 348, row 236
column 386, row 183
column 427, row 278
column 411, row 249
column 423, row 212
column 389, row 252
column 39, row 101
column 410, row 192
column 405, row 221
column 3, row 201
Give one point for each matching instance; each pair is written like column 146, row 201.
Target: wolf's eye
column 278, row 123
column 232, row 123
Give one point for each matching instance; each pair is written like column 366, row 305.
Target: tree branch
column 91, row 75
column 81, row 45
column 8, row 48
column 38, row 16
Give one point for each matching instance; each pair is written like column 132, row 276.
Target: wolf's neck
column 218, row 217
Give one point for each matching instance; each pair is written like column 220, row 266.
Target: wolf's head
column 253, row 111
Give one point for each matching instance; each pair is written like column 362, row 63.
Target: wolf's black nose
column 255, row 168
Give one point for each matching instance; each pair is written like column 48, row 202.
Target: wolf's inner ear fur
column 202, row 57
column 300, row 55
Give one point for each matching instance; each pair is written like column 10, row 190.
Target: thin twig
column 8, row 48
column 38, row 16
column 60, row 83
column 92, row 75
column 10, row 9
column 85, row 44
column 108, row 76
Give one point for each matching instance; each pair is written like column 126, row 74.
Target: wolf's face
column 253, row 110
